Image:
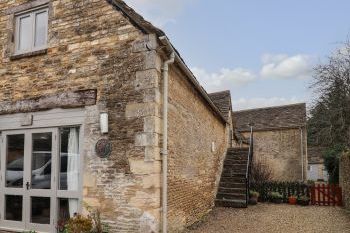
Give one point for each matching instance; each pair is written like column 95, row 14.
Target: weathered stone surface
column 194, row 169
column 344, row 180
column 92, row 46
column 281, row 151
column 70, row 99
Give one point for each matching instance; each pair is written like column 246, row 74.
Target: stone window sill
column 28, row 54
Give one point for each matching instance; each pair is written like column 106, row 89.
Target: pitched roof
column 287, row 116
column 146, row 27
column 222, row 100
column 315, row 155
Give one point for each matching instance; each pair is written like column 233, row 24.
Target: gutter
column 165, row 71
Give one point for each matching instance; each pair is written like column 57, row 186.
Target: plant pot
column 253, row 200
column 304, row 202
column 277, row 200
column 292, row 200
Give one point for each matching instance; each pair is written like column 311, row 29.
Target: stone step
column 235, row 166
column 231, row 196
column 241, row 185
column 233, row 179
column 233, row 173
column 232, row 190
column 235, row 161
column 231, row 203
column 239, row 156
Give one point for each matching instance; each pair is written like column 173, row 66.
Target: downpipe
column 302, row 153
column 165, row 72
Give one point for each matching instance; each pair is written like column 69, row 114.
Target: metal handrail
column 249, row 163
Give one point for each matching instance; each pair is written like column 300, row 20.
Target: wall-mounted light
column 104, row 122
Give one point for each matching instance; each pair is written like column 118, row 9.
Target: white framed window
column 31, row 30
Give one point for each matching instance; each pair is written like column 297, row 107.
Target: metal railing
column 249, row 163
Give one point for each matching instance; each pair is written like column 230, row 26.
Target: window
column 31, row 30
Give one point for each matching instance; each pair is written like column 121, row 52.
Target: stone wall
column 93, row 46
column 344, row 180
column 194, row 168
column 281, row 150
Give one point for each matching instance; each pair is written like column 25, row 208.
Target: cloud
column 248, row 103
column 224, row 79
column 281, row 66
column 159, row 12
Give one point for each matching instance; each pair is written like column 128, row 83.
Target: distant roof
column 315, row 155
column 222, row 100
column 287, row 116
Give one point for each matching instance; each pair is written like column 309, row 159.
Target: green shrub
column 331, row 162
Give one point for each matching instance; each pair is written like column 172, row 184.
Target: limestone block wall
column 344, row 180
column 281, row 150
column 197, row 144
column 93, row 46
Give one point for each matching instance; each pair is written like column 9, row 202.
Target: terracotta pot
column 292, row 200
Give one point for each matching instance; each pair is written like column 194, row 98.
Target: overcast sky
column 263, row 51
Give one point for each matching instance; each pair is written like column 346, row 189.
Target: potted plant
column 292, row 199
column 253, row 197
column 303, row 200
column 276, row 197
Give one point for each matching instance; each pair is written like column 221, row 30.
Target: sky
column 262, row 51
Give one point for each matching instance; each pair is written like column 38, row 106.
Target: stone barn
column 280, row 138
column 94, row 109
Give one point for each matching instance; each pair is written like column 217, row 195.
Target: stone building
column 316, row 170
column 83, row 120
column 280, row 138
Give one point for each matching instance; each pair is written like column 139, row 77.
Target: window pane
column 13, row 208
column 24, row 33
column 41, row 20
column 41, row 161
column 15, row 161
column 40, row 211
column 69, row 159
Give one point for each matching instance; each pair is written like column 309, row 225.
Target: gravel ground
column 265, row 218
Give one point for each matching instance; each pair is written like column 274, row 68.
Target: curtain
column 73, row 167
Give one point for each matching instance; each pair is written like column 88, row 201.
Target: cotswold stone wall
column 194, row 168
column 345, row 178
column 281, row 150
column 93, row 46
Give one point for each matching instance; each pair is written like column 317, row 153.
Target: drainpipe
column 165, row 71
column 302, row 153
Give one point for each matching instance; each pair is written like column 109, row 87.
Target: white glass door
column 28, row 185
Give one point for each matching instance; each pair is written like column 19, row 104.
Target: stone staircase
column 232, row 190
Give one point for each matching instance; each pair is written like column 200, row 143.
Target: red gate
column 326, row 195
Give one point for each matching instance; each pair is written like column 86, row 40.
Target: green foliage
column 286, row 189
column 79, row 224
column 331, row 162
column 253, row 193
column 275, row 195
column 329, row 121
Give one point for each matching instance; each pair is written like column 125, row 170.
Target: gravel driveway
column 265, row 218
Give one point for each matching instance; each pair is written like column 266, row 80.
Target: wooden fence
column 326, row 195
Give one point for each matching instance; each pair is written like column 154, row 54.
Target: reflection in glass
column 13, row 208
column 14, row 161
column 40, row 210
column 69, row 159
column 41, row 161
column 67, row 208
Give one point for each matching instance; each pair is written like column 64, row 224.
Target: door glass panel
column 69, row 159
column 13, row 208
column 40, row 210
column 41, row 161
column 14, row 161
column 67, row 208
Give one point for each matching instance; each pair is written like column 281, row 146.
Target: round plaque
column 103, row 148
